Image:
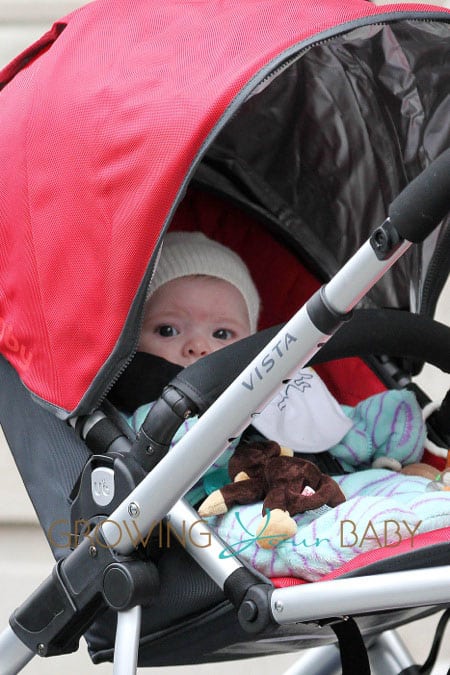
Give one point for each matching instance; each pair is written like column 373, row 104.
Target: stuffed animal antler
column 287, row 485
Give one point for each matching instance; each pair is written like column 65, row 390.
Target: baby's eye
column 167, row 331
column 223, row 334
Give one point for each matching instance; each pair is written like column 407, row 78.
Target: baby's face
column 191, row 317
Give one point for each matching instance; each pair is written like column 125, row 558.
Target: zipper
column 112, row 381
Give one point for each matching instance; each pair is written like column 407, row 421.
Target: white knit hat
column 187, row 253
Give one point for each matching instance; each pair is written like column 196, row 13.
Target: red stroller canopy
column 102, row 123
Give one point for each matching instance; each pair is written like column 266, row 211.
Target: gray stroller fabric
column 49, row 456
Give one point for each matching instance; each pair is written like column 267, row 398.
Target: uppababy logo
column 268, row 361
column 9, row 340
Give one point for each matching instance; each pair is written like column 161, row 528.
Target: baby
column 202, row 299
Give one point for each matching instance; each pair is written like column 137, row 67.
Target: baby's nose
column 196, row 347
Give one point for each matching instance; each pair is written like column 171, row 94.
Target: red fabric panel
column 350, row 380
column 285, row 582
column 98, row 134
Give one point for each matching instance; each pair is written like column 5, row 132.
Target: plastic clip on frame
column 412, row 216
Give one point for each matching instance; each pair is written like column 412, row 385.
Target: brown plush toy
column 287, row 485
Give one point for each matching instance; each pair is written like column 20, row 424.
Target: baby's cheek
column 148, row 342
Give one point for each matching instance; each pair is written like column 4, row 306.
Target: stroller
column 288, row 131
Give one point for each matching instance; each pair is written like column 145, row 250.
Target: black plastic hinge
column 250, row 594
column 385, row 240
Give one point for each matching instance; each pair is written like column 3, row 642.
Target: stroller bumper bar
column 361, row 595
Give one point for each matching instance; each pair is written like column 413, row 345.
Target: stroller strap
column 353, row 651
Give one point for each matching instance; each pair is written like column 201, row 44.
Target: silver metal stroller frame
column 412, row 216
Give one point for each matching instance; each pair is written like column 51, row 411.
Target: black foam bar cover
column 392, row 332
column 421, row 206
